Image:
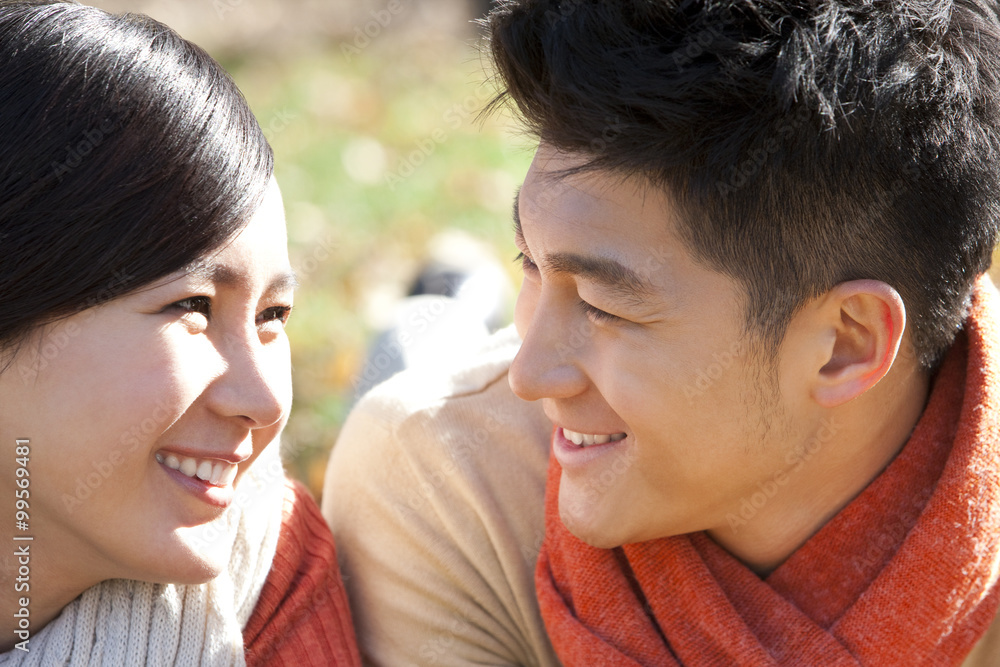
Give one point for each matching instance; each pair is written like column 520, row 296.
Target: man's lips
column 574, row 458
column 589, row 439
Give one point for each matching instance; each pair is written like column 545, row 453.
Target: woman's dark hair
column 126, row 153
column 804, row 143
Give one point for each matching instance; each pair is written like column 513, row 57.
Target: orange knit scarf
column 906, row 574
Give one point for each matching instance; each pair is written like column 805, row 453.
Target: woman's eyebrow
column 220, row 274
column 283, row 282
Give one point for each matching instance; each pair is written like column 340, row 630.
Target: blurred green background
column 372, row 108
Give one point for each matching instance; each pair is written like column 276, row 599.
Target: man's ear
column 865, row 321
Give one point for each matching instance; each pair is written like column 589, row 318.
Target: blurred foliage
column 377, row 150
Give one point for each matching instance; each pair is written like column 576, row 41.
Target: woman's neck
column 35, row 589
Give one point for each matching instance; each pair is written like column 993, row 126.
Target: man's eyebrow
column 607, row 272
column 220, row 274
column 604, row 271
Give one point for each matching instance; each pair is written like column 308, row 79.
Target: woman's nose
column 256, row 383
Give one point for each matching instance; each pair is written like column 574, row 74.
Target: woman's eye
column 526, row 263
column 598, row 315
column 276, row 314
column 195, row 304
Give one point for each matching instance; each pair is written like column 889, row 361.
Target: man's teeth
column 215, row 472
column 585, row 439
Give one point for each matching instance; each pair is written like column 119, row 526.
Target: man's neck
column 861, row 438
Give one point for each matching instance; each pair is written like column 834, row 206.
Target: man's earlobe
column 866, row 319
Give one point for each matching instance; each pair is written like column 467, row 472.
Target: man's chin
column 591, row 523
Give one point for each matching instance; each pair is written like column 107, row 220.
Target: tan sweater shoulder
column 435, row 494
column 987, row 652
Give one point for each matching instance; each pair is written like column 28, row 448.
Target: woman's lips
column 214, row 471
column 209, row 480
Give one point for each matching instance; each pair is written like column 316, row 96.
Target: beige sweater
column 435, row 494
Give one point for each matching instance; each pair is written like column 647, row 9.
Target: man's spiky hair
column 803, row 143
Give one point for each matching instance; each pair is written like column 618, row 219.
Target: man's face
column 628, row 339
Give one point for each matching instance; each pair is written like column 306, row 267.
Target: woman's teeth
column 213, row 471
column 585, row 439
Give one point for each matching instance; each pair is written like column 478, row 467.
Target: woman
column 144, row 367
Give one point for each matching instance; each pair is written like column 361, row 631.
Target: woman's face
column 144, row 413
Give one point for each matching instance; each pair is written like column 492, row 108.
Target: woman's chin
column 192, row 559
column 191, row 570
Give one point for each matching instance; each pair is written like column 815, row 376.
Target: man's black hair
column 803, row 143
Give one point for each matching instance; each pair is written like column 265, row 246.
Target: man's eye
column 276, row 314
column 526, row 263
column 195, row 304
column 598, row 315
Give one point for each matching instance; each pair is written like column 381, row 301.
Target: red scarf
column 906, row 574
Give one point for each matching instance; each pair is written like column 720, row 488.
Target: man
column 753, row 310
